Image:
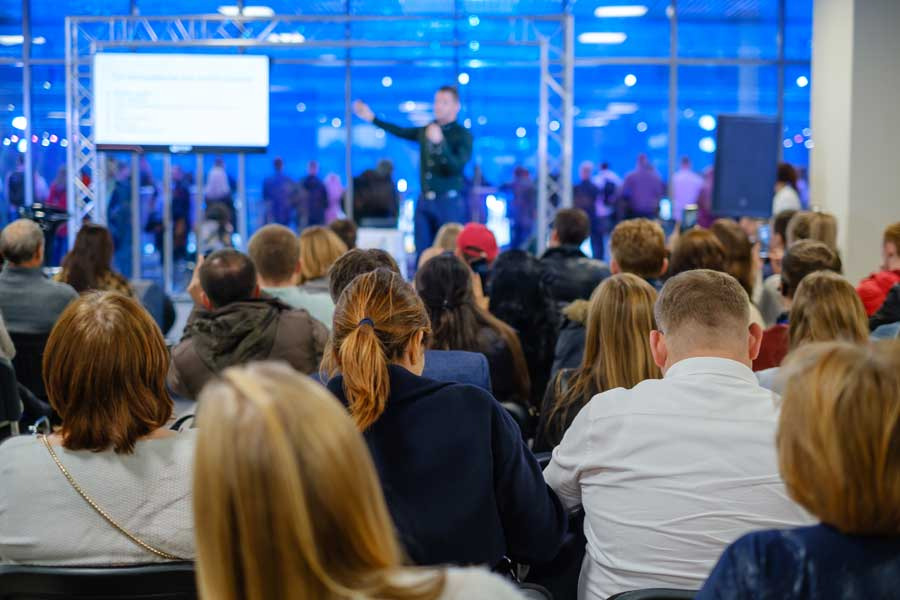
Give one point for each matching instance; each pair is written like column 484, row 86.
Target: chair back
column 29, row 359
column 165, row 581
column 655, row 594
column 10, row 405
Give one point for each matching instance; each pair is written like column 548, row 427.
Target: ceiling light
column 630, row 10
column 602, row 37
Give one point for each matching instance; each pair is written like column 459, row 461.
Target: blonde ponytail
column 377, row 316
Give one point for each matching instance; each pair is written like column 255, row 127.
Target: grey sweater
column 30, row 302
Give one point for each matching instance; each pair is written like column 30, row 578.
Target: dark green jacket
column 440, row 165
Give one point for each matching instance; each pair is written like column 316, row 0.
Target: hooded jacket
column 241, row 332
column 569, row 275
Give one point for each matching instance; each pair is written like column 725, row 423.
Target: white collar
column 711, row 365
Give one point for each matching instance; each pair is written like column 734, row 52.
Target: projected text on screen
column 181, row 100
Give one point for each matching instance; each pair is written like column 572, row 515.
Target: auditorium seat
column 655, row 594
column 10, row 405
column 29, row 359
column 165, row 581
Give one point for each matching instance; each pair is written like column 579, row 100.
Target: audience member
column 459, row 323
column 346, row 230
column 777, row 247
column 420, row 430
column 275, row 253
column 685, row 189
column 696, row 249
column 676, row 467
column 642, row 190
column 837, row 443
column 88, row 265
column 587, row 196
column 319, row 248
column 519, row 299
column 477, row 246
column 313, row 197
column 802, row 258
column 105, row 372
column 568, row 274
column 809, row 225
column 441, row 365
column 29, row 302
column 825, row 308
column 889, row 312
column 233, row 325
column 444, row 241
column 743, row 263
column 874, row 289
column 786, row 197
column 638, row 246
column 279, row 195
column 303, row 515
column 616, row 355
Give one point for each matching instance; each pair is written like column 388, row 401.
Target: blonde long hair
column 287, row 503
column 617, row 345
column 319, row 248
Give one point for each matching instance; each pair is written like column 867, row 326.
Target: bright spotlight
column 707, row 145
column 387, row 81
column 802, row 81
column 19, row 123
column 520, row 132
column 463, row 78
column 630, row 80
column 402, row 185
column 707, row 122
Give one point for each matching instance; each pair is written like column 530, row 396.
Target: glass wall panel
column 12, row 194
column 798, row 27
column 727, row 29
column 599, row 35
column 11, row 29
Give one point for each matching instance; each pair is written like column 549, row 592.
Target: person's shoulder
column 63, row 290
column 17, row 447
column 477, row 584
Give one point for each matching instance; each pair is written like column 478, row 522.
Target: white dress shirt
column 669, row 473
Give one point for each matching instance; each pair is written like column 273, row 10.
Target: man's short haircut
column 810, row 225
column 705, row 305
column 572, row 226
column 227, row 276
column 801, row 259
column 346, row 230
column 275, row 252
column 892, row 235
column 20, row 240
column 354, row 263
column 780, row 223
column 639, row 247
column 450, row 89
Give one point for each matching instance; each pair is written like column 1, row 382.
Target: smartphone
column 689, row 220
column 763, row 235
column 665, row 209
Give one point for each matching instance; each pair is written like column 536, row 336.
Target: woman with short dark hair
column 104, row 369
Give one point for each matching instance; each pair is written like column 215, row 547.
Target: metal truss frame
column 553, row 35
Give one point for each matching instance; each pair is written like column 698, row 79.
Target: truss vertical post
column 543, row 197
column 168, row 241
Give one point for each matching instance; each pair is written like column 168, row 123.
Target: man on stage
column 445, row 147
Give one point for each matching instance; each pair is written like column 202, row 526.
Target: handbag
column 100, row 511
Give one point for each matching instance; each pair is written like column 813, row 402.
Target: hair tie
column 366, row 321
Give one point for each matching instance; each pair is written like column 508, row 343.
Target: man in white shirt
column 673, row 470
column 685, row 189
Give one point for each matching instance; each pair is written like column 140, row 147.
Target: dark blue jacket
column 461, row 485
column 458, row 367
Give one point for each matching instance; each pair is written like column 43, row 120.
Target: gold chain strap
column 103, row 513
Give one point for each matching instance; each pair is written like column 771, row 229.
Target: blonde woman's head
column 287, row 502
column 319, row 248
column 827, row 308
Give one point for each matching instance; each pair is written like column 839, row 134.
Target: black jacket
column 889, row 311
column 569, row 275
column 460, row 483
column 572, row 334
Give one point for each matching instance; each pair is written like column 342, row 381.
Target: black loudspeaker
column 746, row 162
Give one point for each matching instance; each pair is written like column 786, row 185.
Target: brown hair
column 296, row 511
column 808, row 225
column 826, row 308
column 738, row 252
column 697, row 249
column 450, row 89
column 572, row 226
column 89, row 259
column 803, row 258
column 319, row 248
column 354, row 263
column 274, row 251
column 786, row 173
column 346, row 230
column 705, row 301
column 375, row 319
column 839, row 434
column 616, row 348
column 105, row 368
column 639, row 246
column 892, row 235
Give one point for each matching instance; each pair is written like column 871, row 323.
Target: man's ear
column 658, row 349
column 754, row 340
column 204, row 300
column 665, row 267
column 614, row 266
column 256, row 291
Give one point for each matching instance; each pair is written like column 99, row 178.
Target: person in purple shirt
column 642, row 190
column 685, row 188
column 838, row 440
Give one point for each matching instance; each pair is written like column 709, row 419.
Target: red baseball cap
column 477, row 240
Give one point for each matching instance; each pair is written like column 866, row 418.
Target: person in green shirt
column 445, row 147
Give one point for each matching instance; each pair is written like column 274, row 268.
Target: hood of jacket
column 577, row 312
column 235, row 333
